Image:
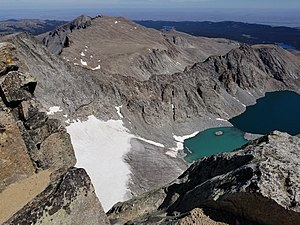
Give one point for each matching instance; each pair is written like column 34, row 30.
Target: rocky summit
column 257, row 184
column 38, row 181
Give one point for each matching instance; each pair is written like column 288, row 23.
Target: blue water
column 208, row 143
column 276, row 111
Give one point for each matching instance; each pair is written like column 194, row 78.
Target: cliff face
column 58, row 39
column 257, row 184
column 38, row 181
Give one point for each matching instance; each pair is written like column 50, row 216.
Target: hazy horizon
column 275, row 17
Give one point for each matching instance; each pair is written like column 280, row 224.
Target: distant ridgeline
column 285, row 37
column 33, row 26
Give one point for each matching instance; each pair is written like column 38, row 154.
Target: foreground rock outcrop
column 258, row 184
column 38, row 181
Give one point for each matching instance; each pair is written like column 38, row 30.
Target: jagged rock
column 56, row 151
column 15, row 164
column 261, row 177
column 36, row 121
column 71, row 201
column 7, row 60
column 143, row 205
column 258, row 184
column 49, row 127
column 196, row 216
column 58, row 39
column 16, row 87
column 37, row 182
column 241, row 67
column 27, row 109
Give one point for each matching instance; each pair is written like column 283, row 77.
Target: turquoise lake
column 208, row 143
column 276, row 111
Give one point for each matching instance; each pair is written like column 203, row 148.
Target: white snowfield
column 179, row 141
column 220, row 119
column 99, row 148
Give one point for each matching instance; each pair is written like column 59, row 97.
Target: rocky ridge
column 163, row 105
column 58, row 39
column 39, row 184
column 118, row 46
column 257, row 184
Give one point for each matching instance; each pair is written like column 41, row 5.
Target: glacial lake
column 208, row 143
column 276, row 111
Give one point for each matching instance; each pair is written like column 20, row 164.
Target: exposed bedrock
column 38, row 181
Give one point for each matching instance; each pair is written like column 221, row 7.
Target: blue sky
column 54, row 4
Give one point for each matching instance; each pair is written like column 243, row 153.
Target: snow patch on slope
column 151, row 142
column 83, row 62
column 220, row 119
column 99, row 148
column 239, row 102
column 97, row 68
column 118, row 108
column 53, row 109
column 179, row 142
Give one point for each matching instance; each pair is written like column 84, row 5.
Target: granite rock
column 38, row 181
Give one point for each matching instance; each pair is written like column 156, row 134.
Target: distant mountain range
column 33, row 26
column 285, row 37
